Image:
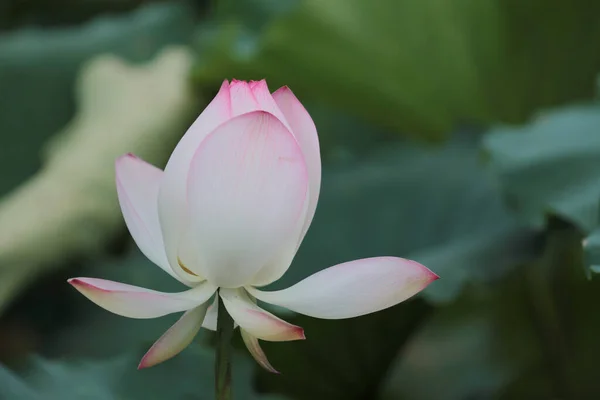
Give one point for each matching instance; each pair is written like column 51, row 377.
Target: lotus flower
column 228, row 213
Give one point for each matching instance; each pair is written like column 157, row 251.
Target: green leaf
column 551, row 165
column 531, row 337
column 436, row 205
column 416, row 66
column 341, row 359
column 591, row 251
column 39, row 68
column 470, row 349
column 190, row 375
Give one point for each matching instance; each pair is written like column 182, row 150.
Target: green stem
column 223, row 358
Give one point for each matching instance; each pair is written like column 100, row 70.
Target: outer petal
column 172, row 195
column 267, row 103
column 257, row 352
column 242, row 98
column 305, row 132
column 136, row 302
column 256, row 321
column 210, row 319
column 352, row 289
column 246, row 191
column 277, row 266
column 177, row 338
column 137, row 188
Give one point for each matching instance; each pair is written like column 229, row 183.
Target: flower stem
column 223, row 358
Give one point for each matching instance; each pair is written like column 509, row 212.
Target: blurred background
column 464, row 134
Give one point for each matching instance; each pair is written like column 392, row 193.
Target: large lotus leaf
column 189, row 376
column 591, row 248
column 436, row 205
column 39, row 67
column 531, row 337
column 69, row 208
column 551, row 165
column 470, row 349
column 417, row 66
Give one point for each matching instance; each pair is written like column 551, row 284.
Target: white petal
column 276, row 267
column 353, row 288
column 177, row 338
column 257, row 352
column 246, row 192
column 137, row 189
column 210, row 319
column 305, row 133
column 172, row 201
column 256, row 321
column 137, row 302
column 304, row 130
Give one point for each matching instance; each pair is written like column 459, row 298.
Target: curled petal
column 353, row 288
column 136, row 302
column 256, row 321
column 172, row 193
column 257, row 352
column 304, row 130
column 177, row 338
column 137, row 189
column 247, row 187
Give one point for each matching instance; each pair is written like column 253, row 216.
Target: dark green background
column 464, row 134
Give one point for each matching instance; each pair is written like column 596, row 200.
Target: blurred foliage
column 413, row 66
column 116, row 379
column 551, row 165
column 38, row 69
column 506, row 209
column 69, row 208
column 402, row 203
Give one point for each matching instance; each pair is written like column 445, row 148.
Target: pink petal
column 136, row 302
column 305, row 132
column 172, row 195
column 177, row 338
column 256, row 321
column 246, row 192
column 242, row 98
column 257, row 352
column 137, row 189
column 353, row 288
column 267, row 103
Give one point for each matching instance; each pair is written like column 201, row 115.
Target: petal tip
column 431, row 276
column 283, row 89
column 77, row 282
column 299, row 332
column 143, row 364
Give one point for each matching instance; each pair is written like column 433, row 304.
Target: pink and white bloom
column 229, row 212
